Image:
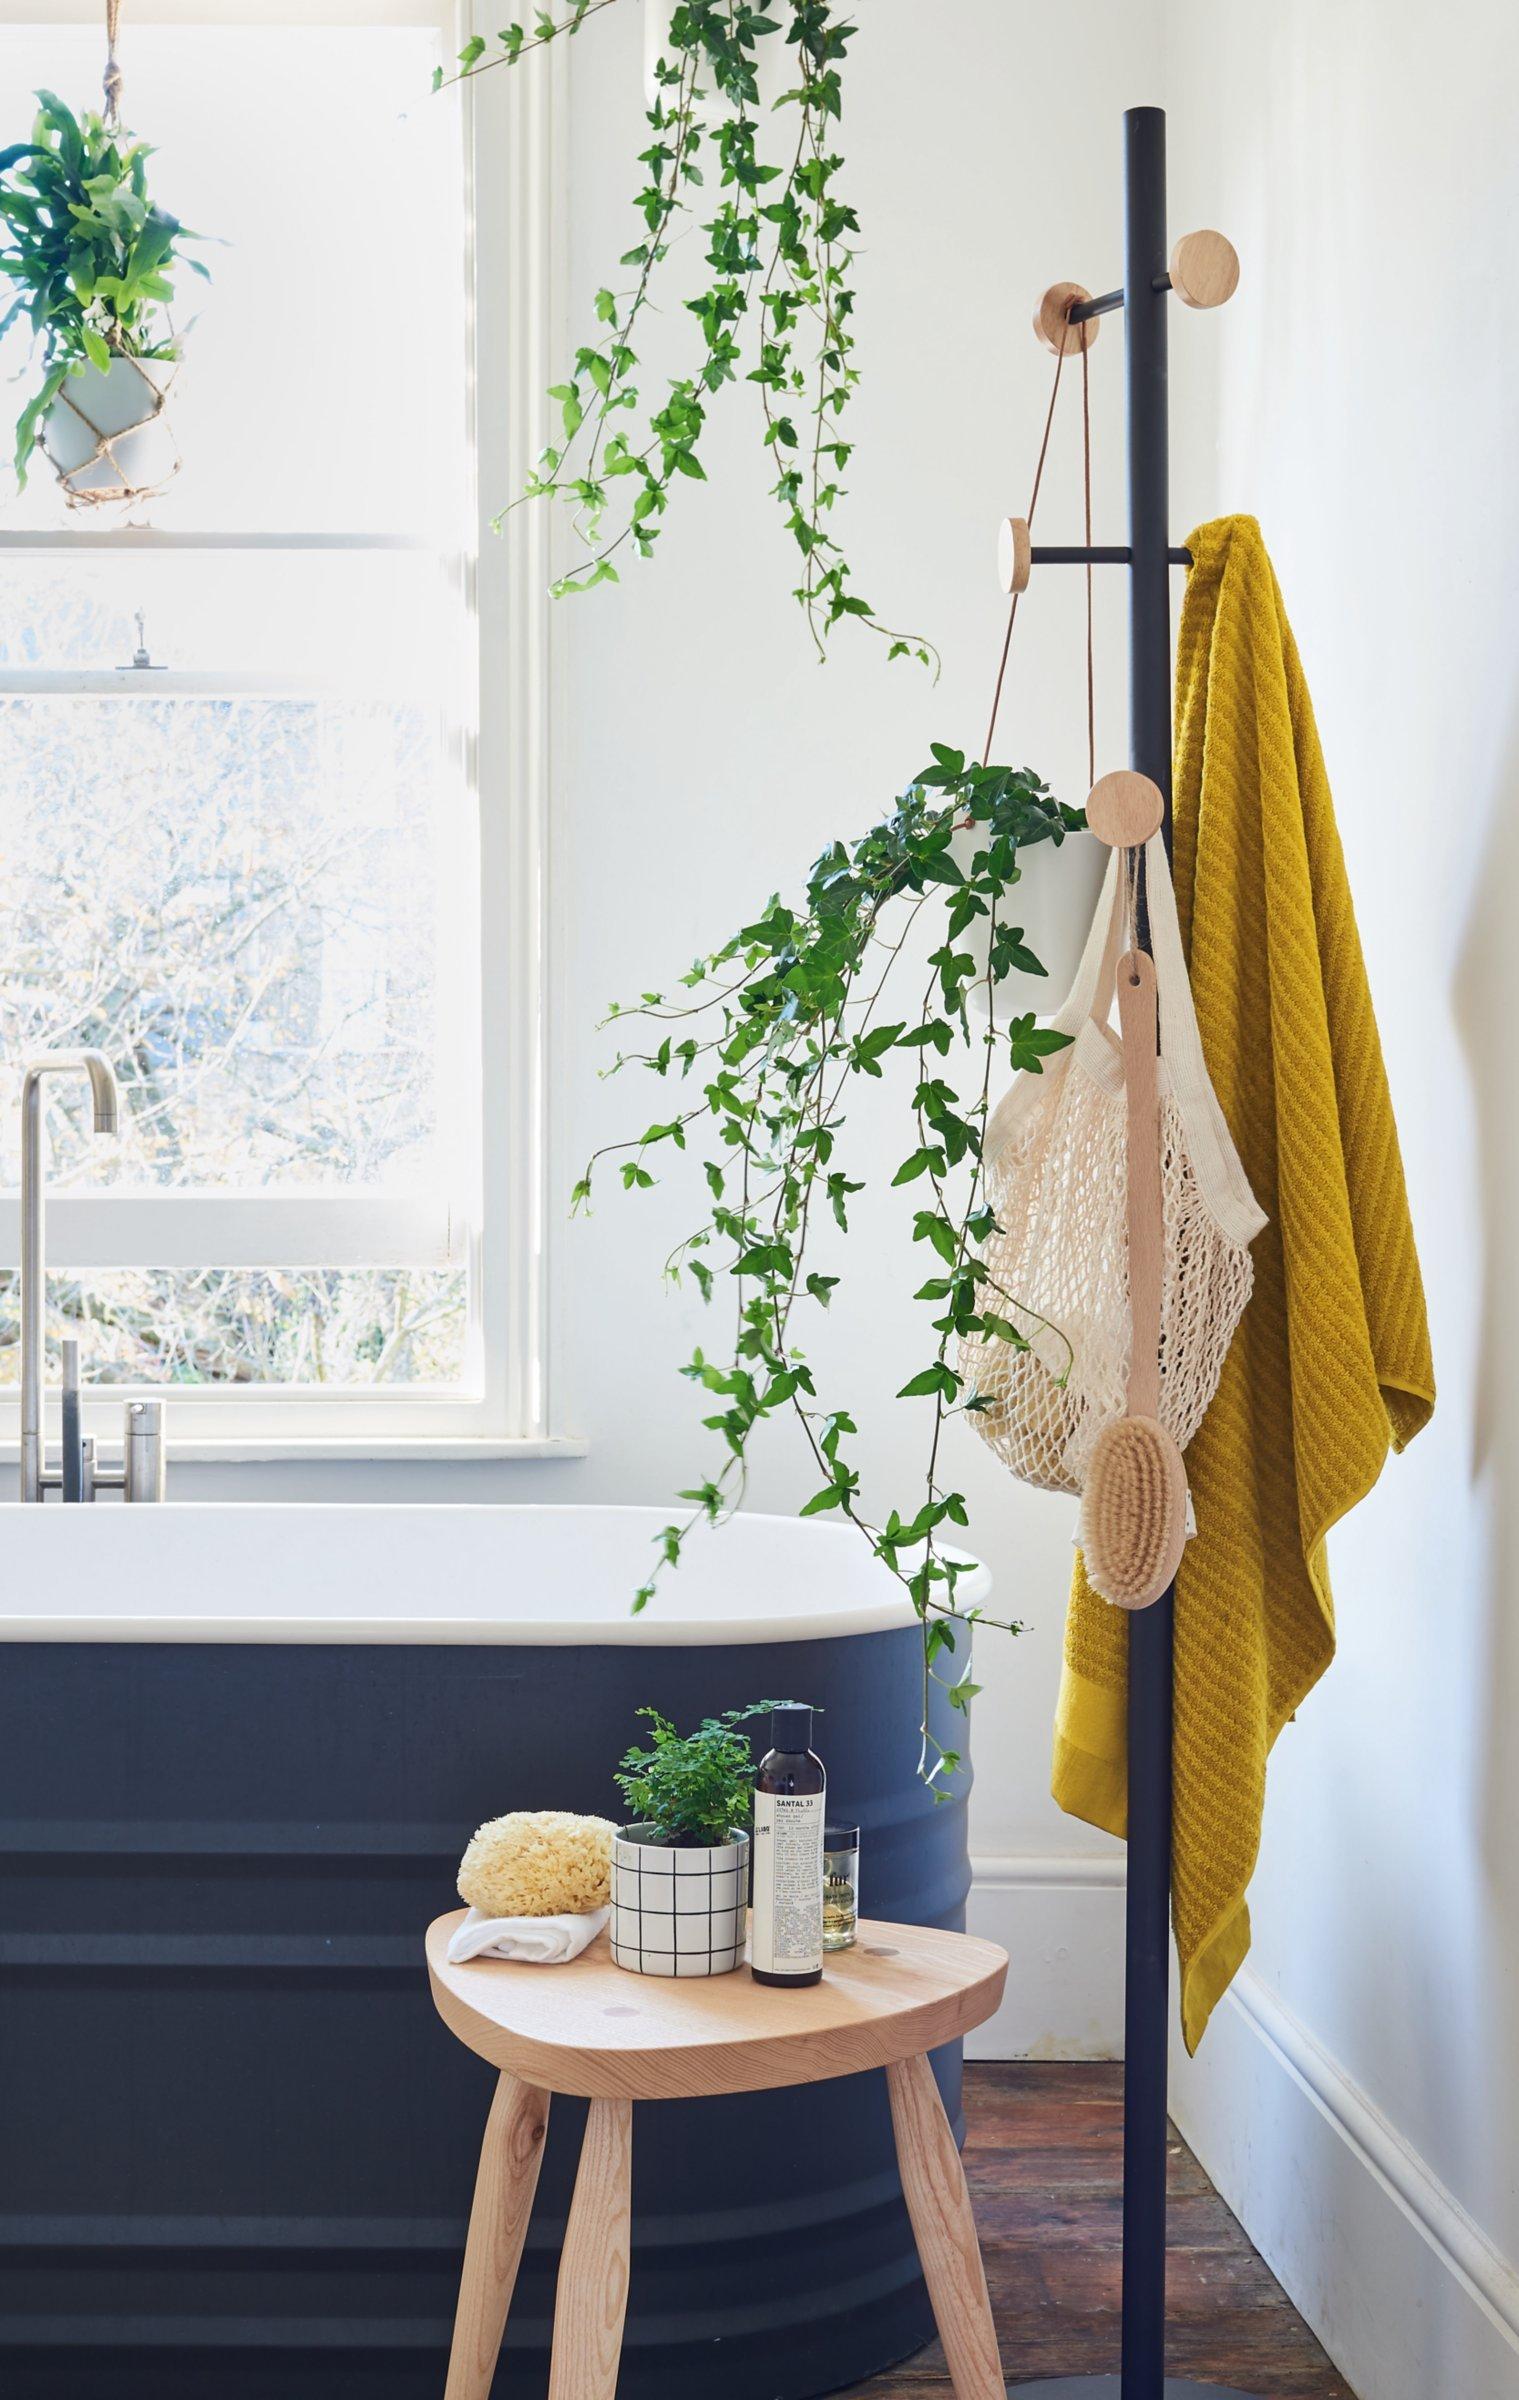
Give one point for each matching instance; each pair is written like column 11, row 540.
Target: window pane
column 236, row 900
column 238, row 834
column 245, row 1327
column 375, row 622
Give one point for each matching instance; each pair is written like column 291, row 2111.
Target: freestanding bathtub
column 240, row 1751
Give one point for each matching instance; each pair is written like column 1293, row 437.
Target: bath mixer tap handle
column 144, row 1463
column 73, row 1439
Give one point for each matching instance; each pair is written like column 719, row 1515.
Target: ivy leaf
column 829, row 1497
column 929, row 1226
column 873, row 1046
column 919, row 1164
column 1008, row 951
column 934, row 1035
column 1029, row 1045
column 1004, row 1329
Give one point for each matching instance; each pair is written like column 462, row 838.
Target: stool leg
column 933, row 2182
column 592, row 2298
column 506, row 2180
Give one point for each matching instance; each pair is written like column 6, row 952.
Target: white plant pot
column 678, row 1912
column 108, row 435
column 1054, row 900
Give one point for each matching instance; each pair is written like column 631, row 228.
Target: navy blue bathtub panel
column 236, row 2145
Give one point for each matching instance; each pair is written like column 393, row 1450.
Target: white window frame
column 511, row 134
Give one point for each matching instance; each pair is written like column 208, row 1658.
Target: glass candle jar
column 841, row 1885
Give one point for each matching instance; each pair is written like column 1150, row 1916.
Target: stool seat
column 591, row 2028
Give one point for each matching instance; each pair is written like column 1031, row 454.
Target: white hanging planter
column 107, row 434
column 678, row 1911
column 1054, row 900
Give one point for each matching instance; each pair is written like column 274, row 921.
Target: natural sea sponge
column 538, row 1862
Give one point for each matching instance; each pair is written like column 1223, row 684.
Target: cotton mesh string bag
column 1055, row 1174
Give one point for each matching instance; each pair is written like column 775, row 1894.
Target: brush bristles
column 1133, row 1512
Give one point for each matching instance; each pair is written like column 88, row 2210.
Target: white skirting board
column 1060, row 1920
column 1402, row 2288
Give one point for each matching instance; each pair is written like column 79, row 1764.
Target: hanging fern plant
column 89, row 256
column 776, row 308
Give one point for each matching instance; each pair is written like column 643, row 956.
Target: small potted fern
column 91, row 260
column 680, row 1867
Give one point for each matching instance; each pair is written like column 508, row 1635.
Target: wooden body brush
column 1134, row 1504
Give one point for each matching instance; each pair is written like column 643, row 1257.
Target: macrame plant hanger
column 1201, row 270
column 100, row 478
column 112, row 80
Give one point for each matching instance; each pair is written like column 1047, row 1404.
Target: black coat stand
column 1144, row 301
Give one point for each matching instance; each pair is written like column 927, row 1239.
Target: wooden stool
column 590, row 2028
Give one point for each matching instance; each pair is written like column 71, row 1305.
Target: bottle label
column 788, row 1883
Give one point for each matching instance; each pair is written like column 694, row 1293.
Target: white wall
column 1360, row 2100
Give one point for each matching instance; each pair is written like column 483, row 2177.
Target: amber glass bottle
column 786, row 1945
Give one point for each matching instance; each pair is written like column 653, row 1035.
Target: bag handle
column 1091, row 992
column 1090, row 996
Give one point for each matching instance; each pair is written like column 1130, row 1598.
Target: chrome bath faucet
column 141, row 1476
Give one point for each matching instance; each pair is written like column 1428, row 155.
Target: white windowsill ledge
column 380, row 1449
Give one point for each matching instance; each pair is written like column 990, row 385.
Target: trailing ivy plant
column 768, row 1037
column 776, row 307
column 91, row 257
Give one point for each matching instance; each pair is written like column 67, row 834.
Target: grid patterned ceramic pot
column 678, row 1912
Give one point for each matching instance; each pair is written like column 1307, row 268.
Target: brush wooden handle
column 1138, row 1021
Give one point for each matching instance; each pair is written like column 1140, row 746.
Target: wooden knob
column 1204, row 269
column 1052, row 320
column 1124, row 809
column 1014, row 556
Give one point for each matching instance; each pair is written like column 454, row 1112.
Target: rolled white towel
column 543, row 1941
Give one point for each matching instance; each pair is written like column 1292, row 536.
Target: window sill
column 255, row 1449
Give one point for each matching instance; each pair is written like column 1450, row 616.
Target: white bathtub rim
column 136, row 1552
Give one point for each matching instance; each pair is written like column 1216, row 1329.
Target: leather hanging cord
column 113, row 79
column 1086, row 493
column 1012, row 614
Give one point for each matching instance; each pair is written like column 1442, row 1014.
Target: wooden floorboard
column 1042, row 2156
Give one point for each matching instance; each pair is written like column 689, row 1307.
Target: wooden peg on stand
column 1125, row 808
column 1014, row 554
column 1052, row 320
column 1204, row 269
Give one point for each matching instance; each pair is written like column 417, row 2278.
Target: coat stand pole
column 1200, row 271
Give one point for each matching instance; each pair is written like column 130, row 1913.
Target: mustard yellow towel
column 1332, row 1361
